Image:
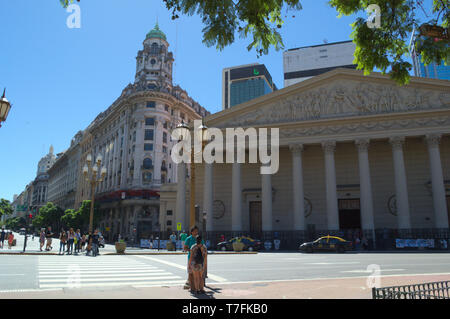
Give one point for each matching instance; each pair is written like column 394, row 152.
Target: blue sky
column 59, row 79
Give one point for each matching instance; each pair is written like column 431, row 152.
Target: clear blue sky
column 59, row 79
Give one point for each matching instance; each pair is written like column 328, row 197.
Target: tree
column 382, row 47
column 15, row 223
column 5, row 207
column 49, row 215
column 80, row 218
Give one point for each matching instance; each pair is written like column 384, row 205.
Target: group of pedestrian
column 9, row 236
column 72, row 239
column 197, row 262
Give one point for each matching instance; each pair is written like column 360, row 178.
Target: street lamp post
column 93, row 180
column 203, row 137
column 5, row 106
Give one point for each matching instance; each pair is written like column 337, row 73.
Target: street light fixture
column 5, row 106
column 93, row 180
column 203, row 137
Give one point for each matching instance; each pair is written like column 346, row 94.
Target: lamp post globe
column 5, row 106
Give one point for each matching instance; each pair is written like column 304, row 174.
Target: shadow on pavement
column 208, row 294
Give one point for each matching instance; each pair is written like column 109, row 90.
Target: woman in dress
column 197, row 265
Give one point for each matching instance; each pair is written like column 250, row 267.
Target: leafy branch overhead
column 384, row 47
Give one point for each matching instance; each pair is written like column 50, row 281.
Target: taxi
column 327, row 243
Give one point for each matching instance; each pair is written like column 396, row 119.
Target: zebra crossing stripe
column 113, row 284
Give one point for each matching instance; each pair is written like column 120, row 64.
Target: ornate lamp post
column 202, row 136
column 93, row 180
column 5, row 106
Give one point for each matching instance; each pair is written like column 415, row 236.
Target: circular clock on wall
column 308, row 207
column 218, row 209
column 392, row 205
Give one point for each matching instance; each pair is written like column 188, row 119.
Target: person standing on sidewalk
column 70, row 237
column 2, row 237
column 173, row 239
column 77, row 241
column 48, row 236
column 10, row 239
column 95, row 238
column 62, row 242
column 183, row 237
column 197, row 265
column 190, row 241
column 83, row 242
column 42, row 238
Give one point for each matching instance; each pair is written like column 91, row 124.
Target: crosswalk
column 82, row 271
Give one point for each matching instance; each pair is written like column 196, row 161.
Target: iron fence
column 431, row 290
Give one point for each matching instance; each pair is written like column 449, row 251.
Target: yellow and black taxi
column 250, row 244
column 327, row 243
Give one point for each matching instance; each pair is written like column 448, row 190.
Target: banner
column 414, row 243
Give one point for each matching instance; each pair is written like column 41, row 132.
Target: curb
column 209, row 253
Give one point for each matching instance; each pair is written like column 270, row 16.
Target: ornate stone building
column 40, row 183
column 133, row 137
column 356, row 153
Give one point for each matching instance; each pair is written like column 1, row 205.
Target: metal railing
column 431, row 290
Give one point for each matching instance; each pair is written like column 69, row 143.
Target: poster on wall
column 145, row 243
column 414, row 243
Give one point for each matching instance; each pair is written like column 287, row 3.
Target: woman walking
column 62, row 241
column 77, row 241
column 10, row 240
column 83, row 242
column 70, row 238
column 197, row 265
column 42, row 238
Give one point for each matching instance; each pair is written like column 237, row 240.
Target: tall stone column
column 401, row 186
column 125, row 157
column 437, row 181
column 367, row 219
column 297, row 183
column 329, row 148
column 266, row 201
column 181, row 196
column 208, row 196
column 158, row 142
column 236, row 198
column 138, row 154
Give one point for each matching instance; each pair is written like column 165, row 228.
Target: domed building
column 133, row 138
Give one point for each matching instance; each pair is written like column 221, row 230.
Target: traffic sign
column 178, row 226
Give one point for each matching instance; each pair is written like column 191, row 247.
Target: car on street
column 327, row 243
column 250, row 244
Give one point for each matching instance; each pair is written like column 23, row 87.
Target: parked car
column 250, row 244
column 327, row 243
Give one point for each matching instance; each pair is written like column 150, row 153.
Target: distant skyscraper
column 432, row 70
column 244, row 83
column 300, row 64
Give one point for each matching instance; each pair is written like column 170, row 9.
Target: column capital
column 433, row 139
column 296, row 147
column 397, row 142
column 329, row 146
column 362, row 144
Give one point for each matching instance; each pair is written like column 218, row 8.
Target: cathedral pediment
column 337, row 94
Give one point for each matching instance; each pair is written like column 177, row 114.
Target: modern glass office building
column 244, row 83
column 432, row 70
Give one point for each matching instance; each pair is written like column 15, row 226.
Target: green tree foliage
column 80, row 218
column 49, row 215
column 15, row 223
column 5, row 207
column 383, row 47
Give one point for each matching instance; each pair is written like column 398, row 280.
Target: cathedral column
column 297, row 183
column 266, row 201
column 208, row 196
column 329, row 148
column 437, row 181
column 367, row 221
column 236, row 197
column 401, row 188
column 181, row 196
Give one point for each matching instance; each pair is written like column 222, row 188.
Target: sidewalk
column 345, row 288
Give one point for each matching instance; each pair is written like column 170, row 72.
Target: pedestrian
column 222, row 238
column 173, row 240
column 2, row 237
column 83, row 242
column 77, row 241
column 197, row 265
column 190, row 241
column 48, row 236
column 183, row 237
column 62, row 241
column 70, row 240
column 95, row 239
column 365, row 243
column 42, row 238
column 89, row 244
column 10, row 239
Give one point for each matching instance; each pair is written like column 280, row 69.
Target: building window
column 166, row 107
column 148, row 147
column 169, row 223
column 148, row 135
column 164, row 137
column 148, row 164
column 182, row 115
column 149, row 121
column 151, row 104
column 165, row 125
column 164, row 149
column 169, row 213
column 147, row 177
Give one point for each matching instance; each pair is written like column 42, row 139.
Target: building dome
column 156, row 33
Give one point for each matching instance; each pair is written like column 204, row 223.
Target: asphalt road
column 56, row 272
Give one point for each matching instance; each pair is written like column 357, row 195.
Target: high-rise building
column 432, row 70
column 244, row 83
column 302, row 63
column 40, row 183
